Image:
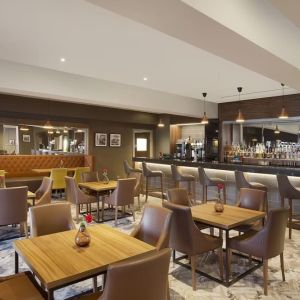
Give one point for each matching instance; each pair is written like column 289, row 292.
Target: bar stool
column 287, row 190
column 147, row 173
column 189, row 179
column 129, row 169
column 205, row 181
column 241, row 182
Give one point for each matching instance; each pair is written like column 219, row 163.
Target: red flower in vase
column 88, row 218
column 220, row 186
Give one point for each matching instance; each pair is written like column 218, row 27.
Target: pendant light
column 48, row 125
column 283, row 114
column 240, row 118
column 160, row 123
column 276, row 131
column 204, row 120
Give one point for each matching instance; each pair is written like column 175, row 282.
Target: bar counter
column 262, row 174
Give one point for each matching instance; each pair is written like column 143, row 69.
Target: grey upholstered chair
column 43, row 193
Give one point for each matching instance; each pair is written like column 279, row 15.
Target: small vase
column 82, row 238
column 106, row 179
column 219, row 207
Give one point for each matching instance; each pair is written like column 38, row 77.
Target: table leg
column 16, row 262
column 227, row 257
column 50, row 294
column 98, row 208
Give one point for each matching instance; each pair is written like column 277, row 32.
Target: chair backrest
column 2, row 179
column 240, row 180
column 72, row 190
column 13, row 205
column 286, row 189
column 274, row 233
column 179, row 196
column 175, row 172
column 50, row 218
column 138, row 184
column 142, row 278
column 252, row 199
column 127, row 168
column 203, row 178
column 58, row 177
column 79, row 171
column 146, row 170
column 45, row 187
column 154, row 227
column 90, row 176
column 182, row 228
column 124, row 193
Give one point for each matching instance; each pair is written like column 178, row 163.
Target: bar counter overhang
column 262, row 174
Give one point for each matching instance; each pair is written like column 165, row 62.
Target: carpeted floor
column 180, row 278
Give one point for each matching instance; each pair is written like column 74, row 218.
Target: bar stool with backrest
column 178, row 177
column 266, row 243
column 188, row 239
column 288, row 191
column 205, row 181
column 13, row 207
column 128, row 169
column 241, row 182
column 154, row 227
column 148, row 174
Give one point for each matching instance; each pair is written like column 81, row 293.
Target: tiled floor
column 180, row 278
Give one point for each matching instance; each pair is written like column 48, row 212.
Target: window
column 141, row 144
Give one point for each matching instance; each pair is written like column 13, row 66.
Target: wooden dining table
column 45, row 171
column 231, row 217
column 100, row 188
column 57, row 262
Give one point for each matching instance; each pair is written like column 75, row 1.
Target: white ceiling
column 99, row 43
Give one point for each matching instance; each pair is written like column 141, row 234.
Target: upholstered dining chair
column 76, row 196
column 58, row 177
column 187, row 238
column 266, row 243
column 90, row 176
column 43, row 193
column 50, row 218
column 123, row 195
column 154, row 227
column 128, row 169
column 78, row 173
column 148, row 274
column 20, row 286
column 138, row 185
column 13, row 207
column 288, row 191
column 2, row 179
column 255, row 200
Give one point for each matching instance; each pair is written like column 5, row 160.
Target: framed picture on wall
column 115, row 140
column 100, row 139
column 26, row 138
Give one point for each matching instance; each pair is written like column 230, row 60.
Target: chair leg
column 224, row 194
column 282, row 202
column 132, row 210
column 162, row 189
column 206, row 188
column 228, row 263
column 290, row 217
column 282, row 266
column 95, row 288
column 203, row 194
column 77, row 213
column 139, row 202
column 116, row 215
column 193, row 265
column 220, row 254
column 265, row 271
column 146, row 189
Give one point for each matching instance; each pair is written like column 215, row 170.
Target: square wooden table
column 57, row 261
column 99, row 187
column 231, row 217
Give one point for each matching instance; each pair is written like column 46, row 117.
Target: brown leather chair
column 147, row 173
column 123, row 195
column 90, row 176
column 43, row 193
column 76, row 196
column 266, row 244
column 142, row 278
column 128, row 169
column 255, row 200
column 13, row 207
column 50, row 218
column 154, row 227
column 205, row 181
column 241, row 182
column 188, row 239
column 20, row 286
column 288, row 191
column 138, row 185
column 178, row 177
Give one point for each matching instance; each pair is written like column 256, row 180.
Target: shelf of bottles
column 273, row 154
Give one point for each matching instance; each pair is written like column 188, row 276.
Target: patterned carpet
column 180, row 278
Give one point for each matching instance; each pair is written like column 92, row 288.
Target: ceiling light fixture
column 240, row 118
column 204, row 120
column 24, row 128
column 50, row 131
column 160, row 123
column 48, row 125
column 145, row 78
column 62, row 59
column 276, row 131
column 65, row 130
column 283, row 114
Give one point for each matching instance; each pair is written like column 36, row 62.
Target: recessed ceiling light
column 145, row 78
column 62, row 59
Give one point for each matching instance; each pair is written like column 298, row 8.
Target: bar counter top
column 290, row 171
